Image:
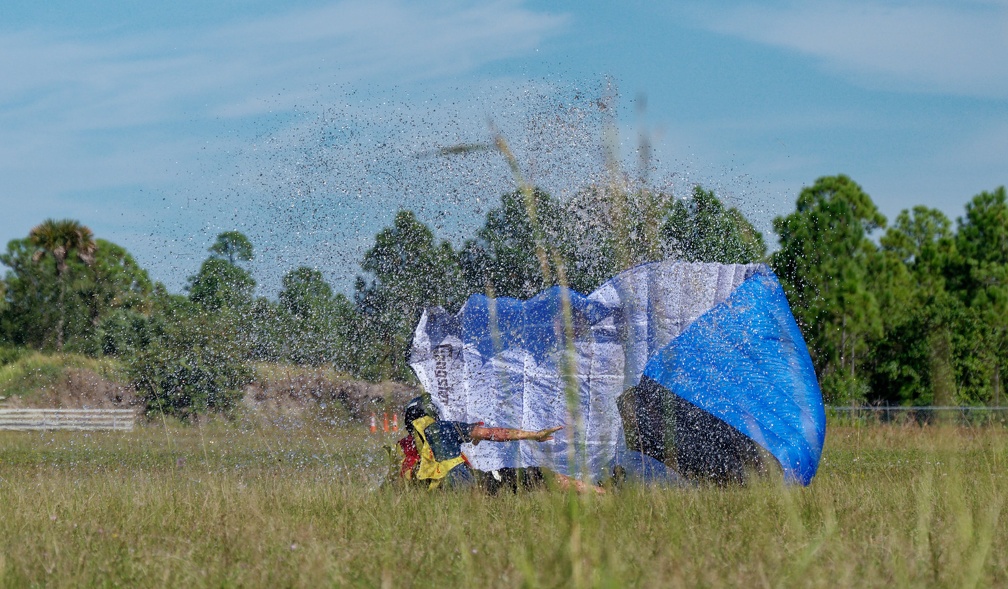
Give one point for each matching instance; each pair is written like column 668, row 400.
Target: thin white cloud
column 958, row 48
column 134, row 80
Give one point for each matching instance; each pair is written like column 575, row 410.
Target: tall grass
column 222, row 506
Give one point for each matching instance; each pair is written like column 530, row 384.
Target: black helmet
column 416, row 409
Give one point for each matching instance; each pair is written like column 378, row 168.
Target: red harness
column 411, row 456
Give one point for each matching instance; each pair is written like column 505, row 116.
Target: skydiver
column 432, row 454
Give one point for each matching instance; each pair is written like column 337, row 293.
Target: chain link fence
column 924, row 415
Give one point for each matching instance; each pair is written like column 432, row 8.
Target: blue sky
column 308, row 124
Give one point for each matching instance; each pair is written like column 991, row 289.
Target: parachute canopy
column 700, row 366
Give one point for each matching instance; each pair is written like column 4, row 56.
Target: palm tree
column 62, row 240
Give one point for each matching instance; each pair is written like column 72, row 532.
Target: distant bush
column 840, row 388
column 125, row 332
column 196, row 365
column 11, row 354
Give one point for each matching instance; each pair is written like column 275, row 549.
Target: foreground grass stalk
column 528, row 197
column 565, row 333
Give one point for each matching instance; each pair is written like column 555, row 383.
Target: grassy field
column 225, row 505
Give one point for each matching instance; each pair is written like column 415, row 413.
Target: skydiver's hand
column 544, row 435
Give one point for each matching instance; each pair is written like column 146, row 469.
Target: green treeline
column 908, row 313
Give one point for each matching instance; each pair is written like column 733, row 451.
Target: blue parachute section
column 699, row 367
column 745, row 363
column 535, row 326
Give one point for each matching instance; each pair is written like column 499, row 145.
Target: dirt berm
column 283, row 392
column 297, row 391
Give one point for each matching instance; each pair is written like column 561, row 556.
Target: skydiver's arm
column 505, row 434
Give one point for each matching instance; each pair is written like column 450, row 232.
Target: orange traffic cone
column 395, row 422
column 374, row 423
column 385, row 422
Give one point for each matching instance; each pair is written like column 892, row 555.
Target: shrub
column 197, row 365
column 11, row 354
